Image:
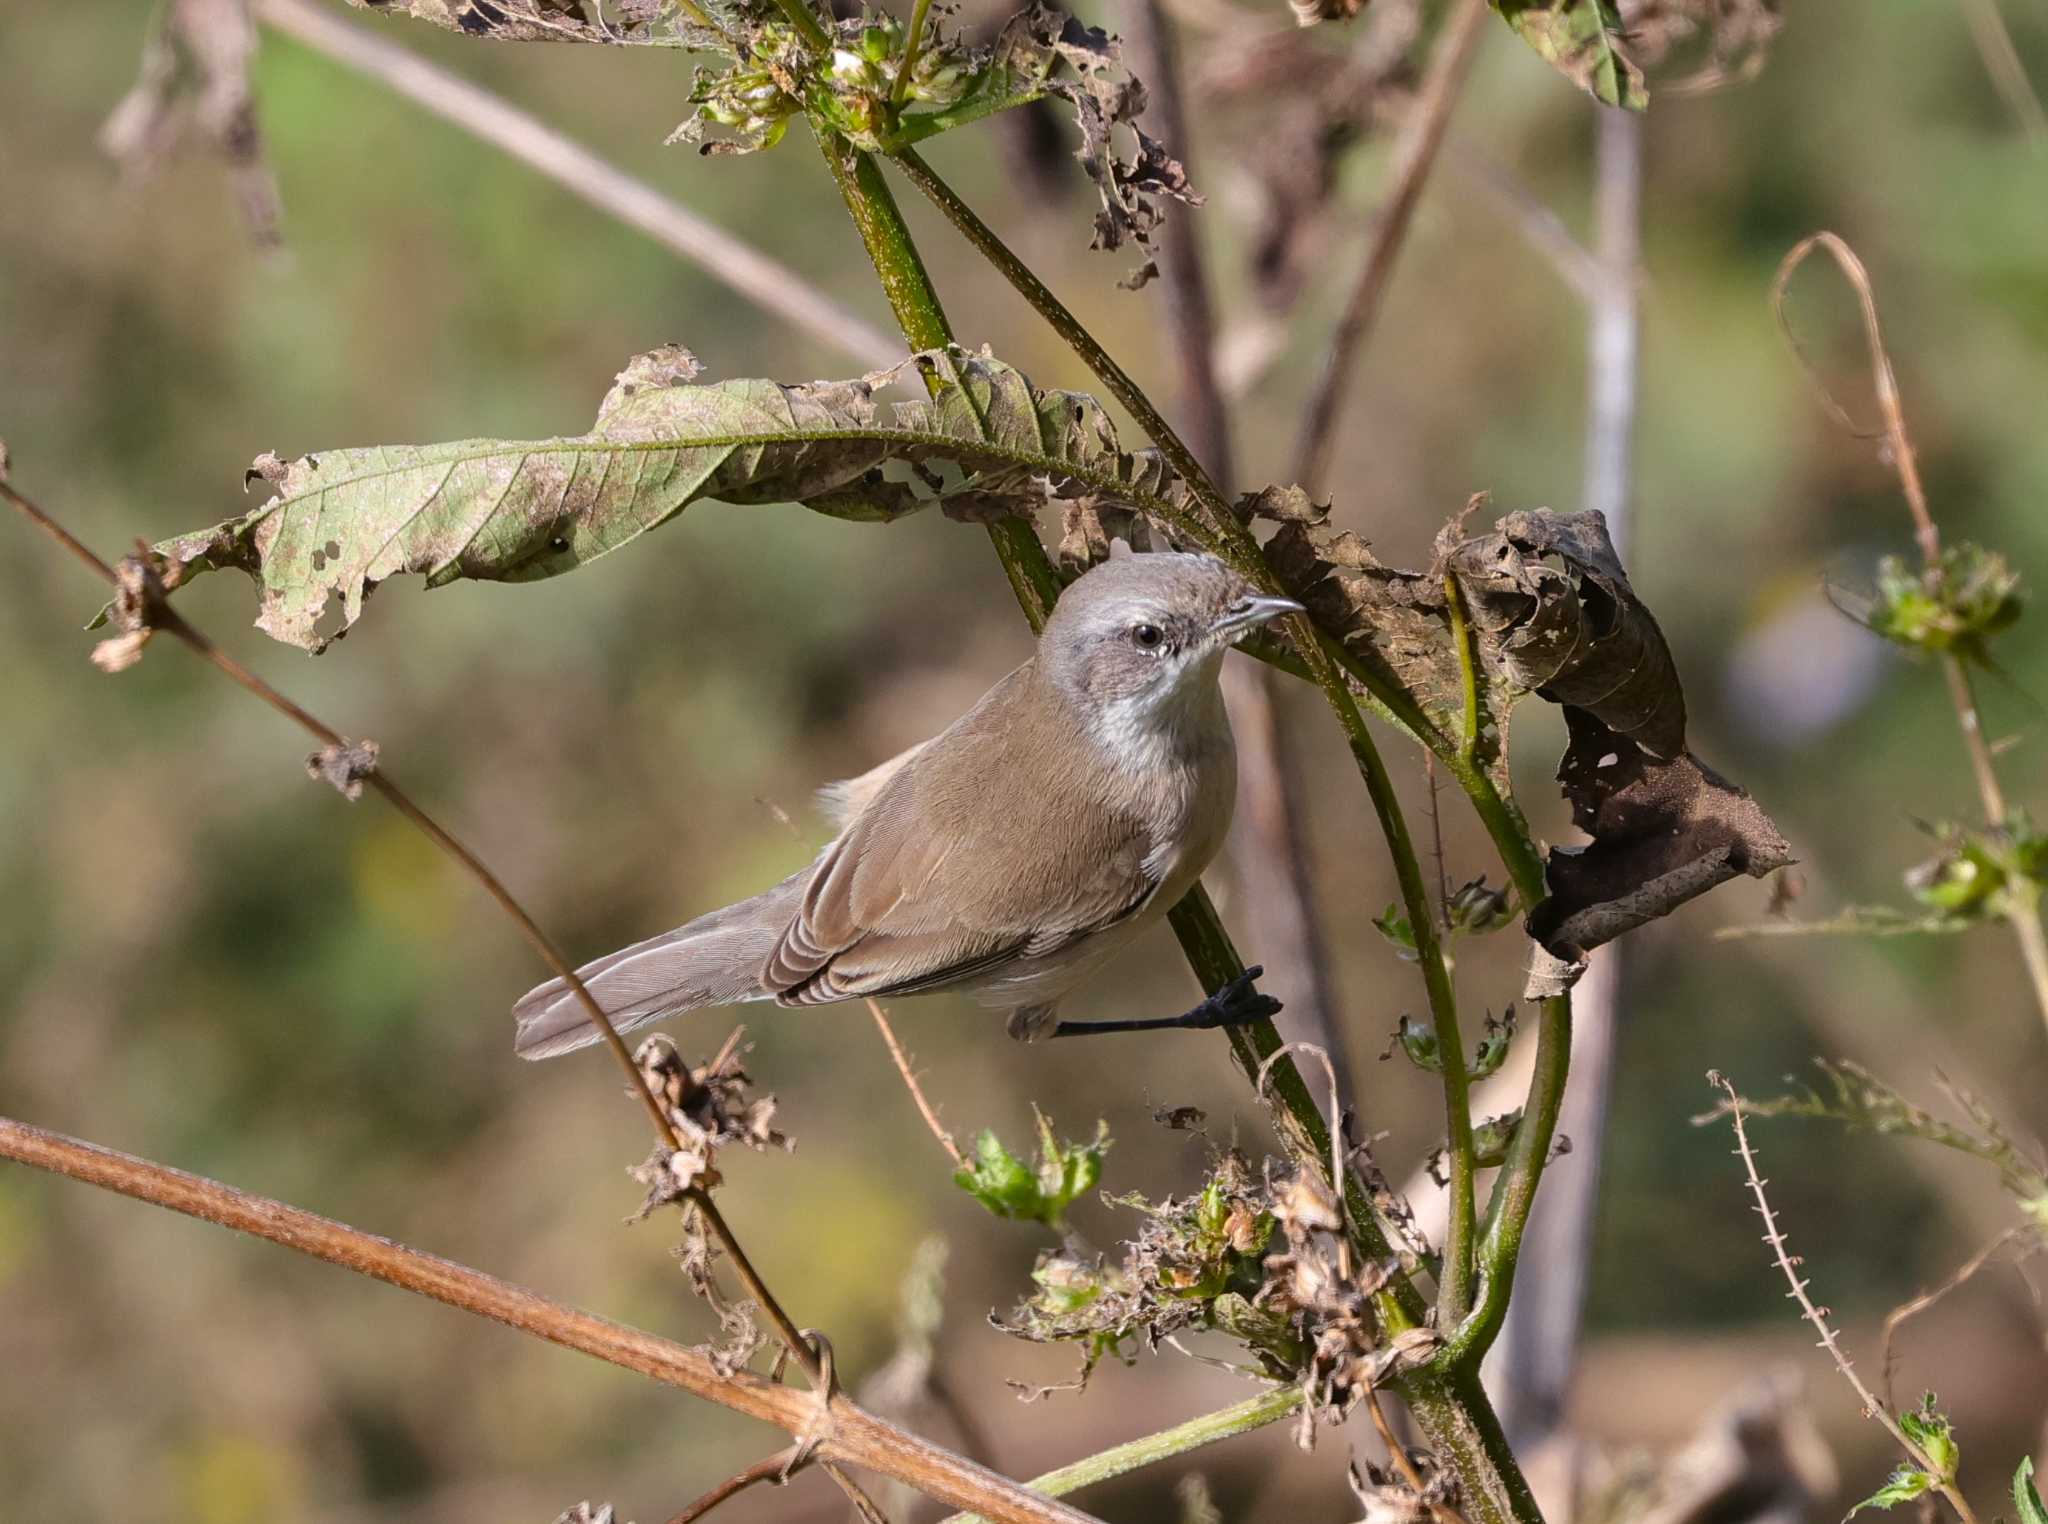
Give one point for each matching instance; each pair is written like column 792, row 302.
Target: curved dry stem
column 903, row 1067
column 1818, row 1317
column 1414, row 152
column 160, row 615
column 754, row 274
column 2023, row 912
column 845, row 1432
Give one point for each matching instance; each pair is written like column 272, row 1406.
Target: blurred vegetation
column 211, row 961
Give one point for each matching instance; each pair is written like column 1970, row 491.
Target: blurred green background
column 211, row 961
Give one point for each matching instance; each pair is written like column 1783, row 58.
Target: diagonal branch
column 759, row 277
column 845, row 1432
column 1269, row 835
column 155, row 613
column 1414, row 152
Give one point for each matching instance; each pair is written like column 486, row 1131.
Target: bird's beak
column 1248, row 613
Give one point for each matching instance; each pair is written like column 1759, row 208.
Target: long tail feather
column 715, row 960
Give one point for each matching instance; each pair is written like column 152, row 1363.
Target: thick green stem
column 1226, row 1423
column 807, row 24
column 915, row 302
column 1225, row 534
column 1448, row 1401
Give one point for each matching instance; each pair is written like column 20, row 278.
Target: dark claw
column 1239, row 1003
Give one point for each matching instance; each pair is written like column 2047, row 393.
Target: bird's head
column 1139, row 632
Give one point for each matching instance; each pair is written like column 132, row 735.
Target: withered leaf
column 1553, row 611
column 1398, row 621
column 1106, row 100
column 1550, row 611
column 199, row 55
column 344, row 767
column 1574, row 633
column 1581, row 40
column 342, row 521
column 551, row 20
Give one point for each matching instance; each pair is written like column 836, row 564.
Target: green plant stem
column 1226, row 1423
column 1230, row 538
column 1449, row 1405
column 912, row 40
column 807, row 24
column 1208, row 947
column 915, row 302
column 2023, row 911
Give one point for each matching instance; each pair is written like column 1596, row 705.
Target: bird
column 1007, row 857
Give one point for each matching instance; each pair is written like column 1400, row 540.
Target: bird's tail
column 715, row 960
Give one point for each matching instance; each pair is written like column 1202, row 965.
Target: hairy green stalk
column 1228, row 536
column 1447, row 1400
column 1226, row 1423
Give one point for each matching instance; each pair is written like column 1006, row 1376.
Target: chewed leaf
column 342, row 521
column 655, row 22
column 1399, row 621
column 1553, row 611
column 1579, row 39
column 1573, row 632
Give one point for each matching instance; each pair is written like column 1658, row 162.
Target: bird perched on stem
column 1008, row 856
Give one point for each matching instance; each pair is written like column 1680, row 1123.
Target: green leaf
column 1493, row 1045
column 1394, row 926
column 342, row 521
column 1928, row 1427
column 1419, row 1041
column 1906, row 1484
column 1957, row 605
column 2024, row 1497
column 1009, row 1187
column 998, row 1179
column 1577, row 38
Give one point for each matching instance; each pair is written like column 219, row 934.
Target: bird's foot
column 1239, row 1003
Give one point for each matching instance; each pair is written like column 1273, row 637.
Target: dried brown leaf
column 344, row 767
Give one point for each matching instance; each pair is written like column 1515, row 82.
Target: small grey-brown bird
column 1006, row 857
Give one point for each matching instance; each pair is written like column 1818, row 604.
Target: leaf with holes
column 975, row 437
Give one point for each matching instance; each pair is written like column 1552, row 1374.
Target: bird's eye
column 1147, row 637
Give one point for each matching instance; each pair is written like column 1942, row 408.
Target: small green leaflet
column 1578, row 39
column 2024, row 1497
column 1009, row 1187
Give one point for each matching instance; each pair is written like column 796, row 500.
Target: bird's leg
column 1237, row 1004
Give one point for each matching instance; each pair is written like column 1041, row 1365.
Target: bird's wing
column 987, row 845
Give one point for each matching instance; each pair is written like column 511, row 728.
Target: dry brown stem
column 1415, row 151
column 761, row 279
column 156, row 614
column 843, row 1431
column 2025, row 918
column 2008, row 73
column 1789, row 1264
column 903, row 1067
column 1901, row 1314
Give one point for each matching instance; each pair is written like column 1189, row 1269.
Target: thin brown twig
column 844, row 1431
column 1873, row 1406
column 160, row 615
column 2008, row 73
column 2023, row 915
column 1268, row 833
column 757, row 276
column 1898, row 1316
column 1541, row 228
column 776, row 1468
column 1397, row 1452
column 1415, row 151
column 903, row 1067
